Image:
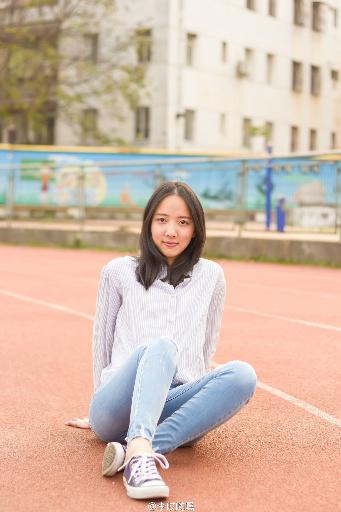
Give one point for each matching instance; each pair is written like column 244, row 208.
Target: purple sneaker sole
column 159, row 490
column 113, row 458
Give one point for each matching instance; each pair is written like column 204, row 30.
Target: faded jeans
column 140, row 400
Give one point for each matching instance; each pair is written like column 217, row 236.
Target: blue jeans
column 139, row 399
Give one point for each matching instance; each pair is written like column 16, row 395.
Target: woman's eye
column 162, row 220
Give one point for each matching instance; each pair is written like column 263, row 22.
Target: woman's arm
column 108, row 304
column 215, row 314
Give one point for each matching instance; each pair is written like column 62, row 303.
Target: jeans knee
column 167, row 346
column 245, row 377
column 100, row 425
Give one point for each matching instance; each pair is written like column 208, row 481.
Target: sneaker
column 113, row 458
column 141, row 478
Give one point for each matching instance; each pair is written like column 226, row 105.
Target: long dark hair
column 151, row 260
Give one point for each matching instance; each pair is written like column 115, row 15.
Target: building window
column 333, row 142
column 246, row 133
column 144, row 45
column 89, row 125
column 334, row 76
column 297, row 76
column 12, row 135
column 21, row 128
column 189, row 125
column 272, row 8
column 223, row 52
column 191, row 41
column 312, row 140
column 299, row 12
column 251, row 4
column 91, row 47
column 294, row 139
column 315, row 80
column 249, row 59
column 270, row 60
column 222, row 124
column 335, row 14
column 142, row 123
column 317, row 21
column 45, row 133
column 50, row 130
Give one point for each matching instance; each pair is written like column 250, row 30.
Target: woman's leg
column 130, row 403
column 193, row 409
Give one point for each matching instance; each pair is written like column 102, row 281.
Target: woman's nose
column 170, row 230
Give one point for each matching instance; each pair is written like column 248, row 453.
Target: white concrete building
column 219, row 71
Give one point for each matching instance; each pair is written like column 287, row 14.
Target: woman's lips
column 170, row 244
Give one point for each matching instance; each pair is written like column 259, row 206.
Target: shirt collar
column 163, row 272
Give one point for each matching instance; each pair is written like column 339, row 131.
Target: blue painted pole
column 268, row 188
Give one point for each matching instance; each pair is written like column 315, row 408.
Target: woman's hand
column 79, row 423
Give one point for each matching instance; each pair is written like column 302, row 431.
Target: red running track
column 279, row 454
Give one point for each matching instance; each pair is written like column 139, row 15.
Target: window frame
column 189, row 125
column 312, row 139
column 191, row 43
column 315, row 80
column 246, row 133
column 224, row 52
column 298, row 13
column 317, row 17
column 92, row 114
column 144, row 45
column 272, row 8
column 270, row 68
column 142, row 123
column 297, row 76
column 93, row 40
column 294, row 138
column 250, row 5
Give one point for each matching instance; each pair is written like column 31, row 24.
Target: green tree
column 53, row 63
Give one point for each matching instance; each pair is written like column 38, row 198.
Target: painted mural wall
column 64, row 178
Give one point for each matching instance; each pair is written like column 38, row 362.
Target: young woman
column 156, row 327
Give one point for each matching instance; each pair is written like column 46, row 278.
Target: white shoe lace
column 143, row 467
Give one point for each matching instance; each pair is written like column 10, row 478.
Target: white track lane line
column 50, row 305
column 300, row 403
column 274, row 391
column 295, row 401
column 329, row 327
column 290, row 290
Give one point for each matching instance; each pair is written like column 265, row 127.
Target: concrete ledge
column 323, row 252
column 74, row 238
column 274, row 249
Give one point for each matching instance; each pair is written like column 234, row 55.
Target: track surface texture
column 281, row 453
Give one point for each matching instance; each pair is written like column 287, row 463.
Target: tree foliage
column 65, row 58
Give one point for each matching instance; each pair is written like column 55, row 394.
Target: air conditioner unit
column 242, row 69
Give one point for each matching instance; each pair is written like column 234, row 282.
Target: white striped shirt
column 128, row 315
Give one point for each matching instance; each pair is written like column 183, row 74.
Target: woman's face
column 172, row 227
